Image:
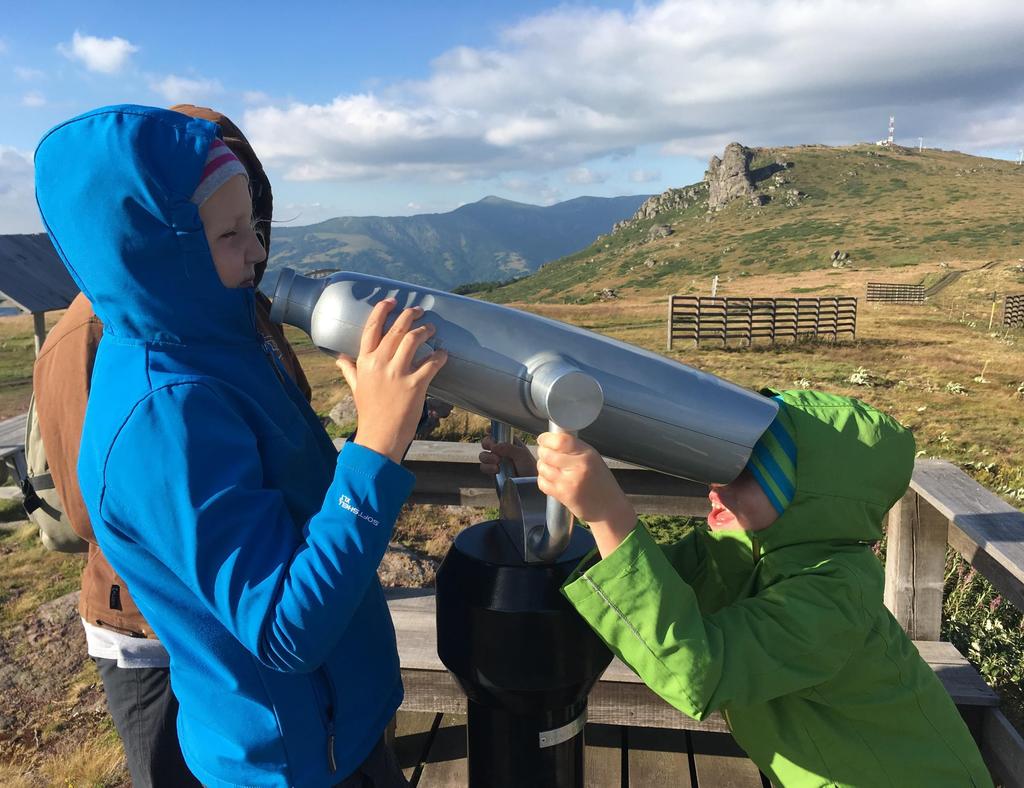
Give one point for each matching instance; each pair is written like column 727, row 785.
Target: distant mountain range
column 493, row 239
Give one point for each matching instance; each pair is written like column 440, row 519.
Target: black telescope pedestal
column 523, row 656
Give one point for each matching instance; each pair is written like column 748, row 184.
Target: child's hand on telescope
column 493, row 453
column 387, row 387
column 574, row 473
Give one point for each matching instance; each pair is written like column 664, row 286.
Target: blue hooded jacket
column 250, row 544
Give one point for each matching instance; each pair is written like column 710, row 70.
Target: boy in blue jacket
column 250, row 544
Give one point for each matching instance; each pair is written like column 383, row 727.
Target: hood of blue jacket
column 114, row 187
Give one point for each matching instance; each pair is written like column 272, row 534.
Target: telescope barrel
column 654, row 412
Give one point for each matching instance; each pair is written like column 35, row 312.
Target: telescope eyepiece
column 295, row 298
column 561, row 393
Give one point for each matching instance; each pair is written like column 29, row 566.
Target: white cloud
column 103, row 55
column 303, row 213
column 574, row 84
column 15, row 169
column 255, row 97
column 33, row 99
column 533, row 189
column 644, row 176
column 28, row 74
column 18, row 212
column 583, row 176
column 413, row 206
column 997, row 128
column 178, row 90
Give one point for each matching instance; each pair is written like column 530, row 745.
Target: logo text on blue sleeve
column 346, row 503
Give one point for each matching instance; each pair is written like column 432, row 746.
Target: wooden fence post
column 671, row 315
column 915, row 563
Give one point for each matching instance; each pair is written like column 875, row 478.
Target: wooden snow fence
column 744, row 321
column 890, row 293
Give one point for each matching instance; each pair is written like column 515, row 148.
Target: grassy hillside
column 492, row 239
column 883, row 207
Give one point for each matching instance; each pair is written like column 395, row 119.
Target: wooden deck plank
column 658, row 758
column 965, row 685
column 720, row 763
column 12, row 431
column 603, row 755
column 12, row 448
column 634, row 704
column 445, row 765
column 432, row 690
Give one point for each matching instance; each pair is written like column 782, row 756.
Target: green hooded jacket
column 784, row 629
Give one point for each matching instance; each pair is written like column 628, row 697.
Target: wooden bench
column 12, row 447
column 631, row 730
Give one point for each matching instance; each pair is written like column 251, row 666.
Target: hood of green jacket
column 853, row 463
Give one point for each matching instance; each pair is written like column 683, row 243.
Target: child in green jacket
column 773, row 614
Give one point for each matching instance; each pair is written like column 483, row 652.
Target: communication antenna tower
column 920, row 144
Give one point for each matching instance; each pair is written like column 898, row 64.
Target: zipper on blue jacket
column 327, row 714
column 268, row 348
column 331, row 764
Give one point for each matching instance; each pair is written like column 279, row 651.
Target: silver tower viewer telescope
column 537, row 374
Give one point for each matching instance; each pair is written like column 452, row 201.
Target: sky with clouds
column 407, row 107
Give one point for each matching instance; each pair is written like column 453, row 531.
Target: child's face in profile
column 741, row 504
column 227, row 220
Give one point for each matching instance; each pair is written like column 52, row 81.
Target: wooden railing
column 942, row 506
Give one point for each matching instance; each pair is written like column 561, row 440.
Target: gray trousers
column 145, row 714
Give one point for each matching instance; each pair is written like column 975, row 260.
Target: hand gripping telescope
column 522, row 655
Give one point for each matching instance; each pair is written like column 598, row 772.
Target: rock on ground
column 405, row 568
column 344, row 413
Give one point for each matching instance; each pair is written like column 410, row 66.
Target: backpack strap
column 30, row 486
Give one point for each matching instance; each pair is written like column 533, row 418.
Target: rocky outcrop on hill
column 728, row 178
column 670, row 200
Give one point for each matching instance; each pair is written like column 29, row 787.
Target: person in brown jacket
column 132, row 663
